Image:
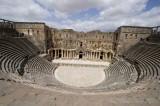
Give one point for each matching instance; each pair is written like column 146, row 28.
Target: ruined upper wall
column 7, row 28
column 127, row 36
column 136, row 29
column 38, row 33
column 33, row 25
column 70, row 39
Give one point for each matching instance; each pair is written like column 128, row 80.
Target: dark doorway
column 81, row 44
column 22, row 34
column 116, row 36
column 101, row 57
column 108, row 55
column 53, row 53
column 80, row 55
column 60, row 55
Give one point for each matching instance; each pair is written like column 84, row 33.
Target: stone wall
column 38, row 33
column 128, row 36
column 94, row 45
column 7, row 28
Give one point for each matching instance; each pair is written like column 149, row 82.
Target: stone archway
column 80, row 55
column 60, row 53
column 101, row 56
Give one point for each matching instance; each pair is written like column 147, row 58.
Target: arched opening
column 22, row 34
column 54, row 53
column 101, row 56
column 108, row 55
column 81, row 44
column 80, row 55
column 147, row 39
column 117, row 36
column 60, row 54
column 111, row 55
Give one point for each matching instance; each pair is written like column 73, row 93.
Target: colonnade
column 56, row 53
column 98, row 55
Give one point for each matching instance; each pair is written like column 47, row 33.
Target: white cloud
column 19, row 10
column 113, row 13
column 72, row 6
column 60, row 15
column 122, row 8
column 68, row 21
column 75, row 6
column 149, row 18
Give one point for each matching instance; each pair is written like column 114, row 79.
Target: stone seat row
column 12, row 56
column 31, row 45
column 119, row 68
column 154, row 38
column 133, row 48
column 39, row 65
column 119, row 72
column 28, row 48
column 148, row 59
column 26, row 45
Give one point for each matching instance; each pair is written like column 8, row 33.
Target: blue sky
column 83, row 15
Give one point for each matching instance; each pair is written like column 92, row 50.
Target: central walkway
column 78, row 75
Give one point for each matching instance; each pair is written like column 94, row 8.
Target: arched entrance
column 101, row 56
column 80, row 55
column 60, row 53
column 81, row 44
column 108, row 54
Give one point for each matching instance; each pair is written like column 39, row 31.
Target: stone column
column 67, row 53
column 99, row 55
column 109, row 56
column 58, row 53
column 51, row 53
column 103, row 56
column 48, row 52
column 91, row 55
column 73, row 54
column 96, row 56
column 62, row 53
column 88, row 54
